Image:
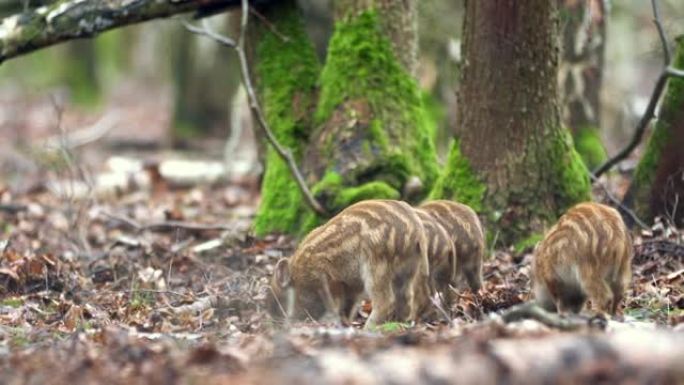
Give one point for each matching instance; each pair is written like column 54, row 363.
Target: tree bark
column 514, row 163
column 658, row 185
column 372, row 135
column 581, row 75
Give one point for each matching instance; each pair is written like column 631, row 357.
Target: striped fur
column 442, row 258
column 377, row 247
column 465, row 230
column 586, row 255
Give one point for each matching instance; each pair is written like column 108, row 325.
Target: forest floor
column 137, row 277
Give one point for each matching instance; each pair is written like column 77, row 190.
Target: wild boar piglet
column 442, row 258
column 586, row 255
column 374, row 247
column 465, row 230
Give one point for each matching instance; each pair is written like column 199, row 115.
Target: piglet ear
column 282, row 273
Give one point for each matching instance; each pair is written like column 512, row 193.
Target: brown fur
column 442, row 258
column 587, row 254
column 465, row 230
column 377, row 247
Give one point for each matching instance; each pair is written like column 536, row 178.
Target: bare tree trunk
column 658, row 185
column 581, row 75
column 514, row 162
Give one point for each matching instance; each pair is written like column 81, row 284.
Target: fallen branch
column 531, row 310
column 284, row 153
column 649, row 114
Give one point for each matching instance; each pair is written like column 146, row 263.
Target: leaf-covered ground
column 150, row 276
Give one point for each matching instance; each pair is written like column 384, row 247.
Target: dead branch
column 530, row 310
column 619, row 204
column 76, row 19
column 667, row 72
column 284, row 153
column 166, row 225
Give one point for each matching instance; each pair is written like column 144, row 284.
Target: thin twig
column 152, row 291
column 661, row 32
column 640, row 129
column 438, row 304
column 649, row 114
column 284, row 153
column 618, row 203
column 674, row 72
column 270, row 25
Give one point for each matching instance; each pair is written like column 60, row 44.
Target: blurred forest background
column 130, row 187
column 165, row 88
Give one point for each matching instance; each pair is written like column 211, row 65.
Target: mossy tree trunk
column 658, row 184
column 583, row 25
column 514, row 163
column 371, row 131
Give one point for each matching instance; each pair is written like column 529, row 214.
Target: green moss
column 588, row 144
column 362, row 66
column 435, row 112
column 371, row 190
column 287, row 74
column 527, row 243
column 459, row 182
column 572, row 184
column 13, row 302
column 332, row 192
column 648, row 164
column 674, row 97
column 393, row 327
